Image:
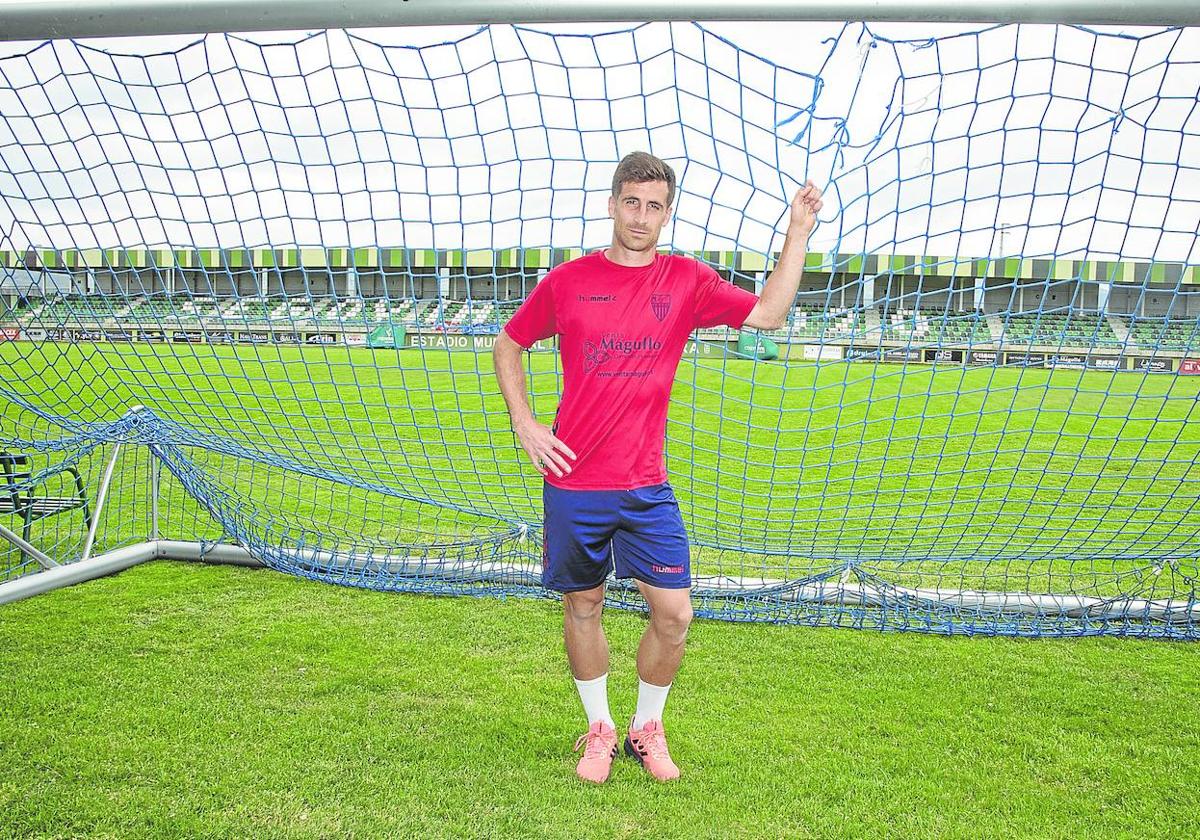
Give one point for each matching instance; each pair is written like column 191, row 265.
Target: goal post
column 39, row 19
column 251, row 284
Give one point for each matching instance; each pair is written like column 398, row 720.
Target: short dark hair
column 640, row 167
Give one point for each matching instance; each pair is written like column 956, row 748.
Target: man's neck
column 631, row 259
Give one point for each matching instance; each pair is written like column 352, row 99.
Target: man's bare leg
column 662, row 645
column 587, row 652
column 659, row 655
column 587, row 647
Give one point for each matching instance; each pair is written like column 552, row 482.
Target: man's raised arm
column 771, row 311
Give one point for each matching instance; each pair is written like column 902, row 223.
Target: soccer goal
column 250, row 283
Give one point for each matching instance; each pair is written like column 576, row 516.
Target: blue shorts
column 588, row 532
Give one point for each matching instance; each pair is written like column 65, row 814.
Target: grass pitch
column 178, row 700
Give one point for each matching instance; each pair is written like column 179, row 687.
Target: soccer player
column 623, row 316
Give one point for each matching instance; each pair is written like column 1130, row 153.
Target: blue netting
column 294, row 256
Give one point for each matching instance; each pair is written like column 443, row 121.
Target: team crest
column 660, row 305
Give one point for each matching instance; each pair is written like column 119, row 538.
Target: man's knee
column 671, row 621
column 584, row 607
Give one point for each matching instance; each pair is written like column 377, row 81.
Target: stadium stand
column 808, row 321
column 1165, row 333
column 1060, row 330
column 812, row 321
column 934, row 328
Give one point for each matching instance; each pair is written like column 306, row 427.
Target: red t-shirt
column 622, row 332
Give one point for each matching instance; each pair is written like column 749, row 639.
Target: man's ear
column 612, row 207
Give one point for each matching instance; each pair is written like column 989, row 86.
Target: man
column 623, row 316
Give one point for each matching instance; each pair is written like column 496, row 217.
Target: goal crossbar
column 22, row 20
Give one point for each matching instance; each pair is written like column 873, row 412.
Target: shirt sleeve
column 534, row 319
column 719, row 302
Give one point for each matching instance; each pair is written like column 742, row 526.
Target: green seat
column 31, row 501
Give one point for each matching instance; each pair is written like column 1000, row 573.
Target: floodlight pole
column 22, row 20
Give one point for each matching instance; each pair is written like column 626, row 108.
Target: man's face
column 638, row 214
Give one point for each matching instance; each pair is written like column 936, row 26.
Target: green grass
column 176, row 700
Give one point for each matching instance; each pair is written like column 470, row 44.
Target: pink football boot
column 649, row 746
column 599, row 749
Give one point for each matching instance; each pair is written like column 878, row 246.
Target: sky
column 1030, row 140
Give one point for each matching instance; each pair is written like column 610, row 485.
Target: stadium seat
column 20, row 493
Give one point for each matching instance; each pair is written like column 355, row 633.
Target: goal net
column 272, row 269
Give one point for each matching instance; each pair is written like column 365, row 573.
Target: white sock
column 652, row 699
column 594, row 694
